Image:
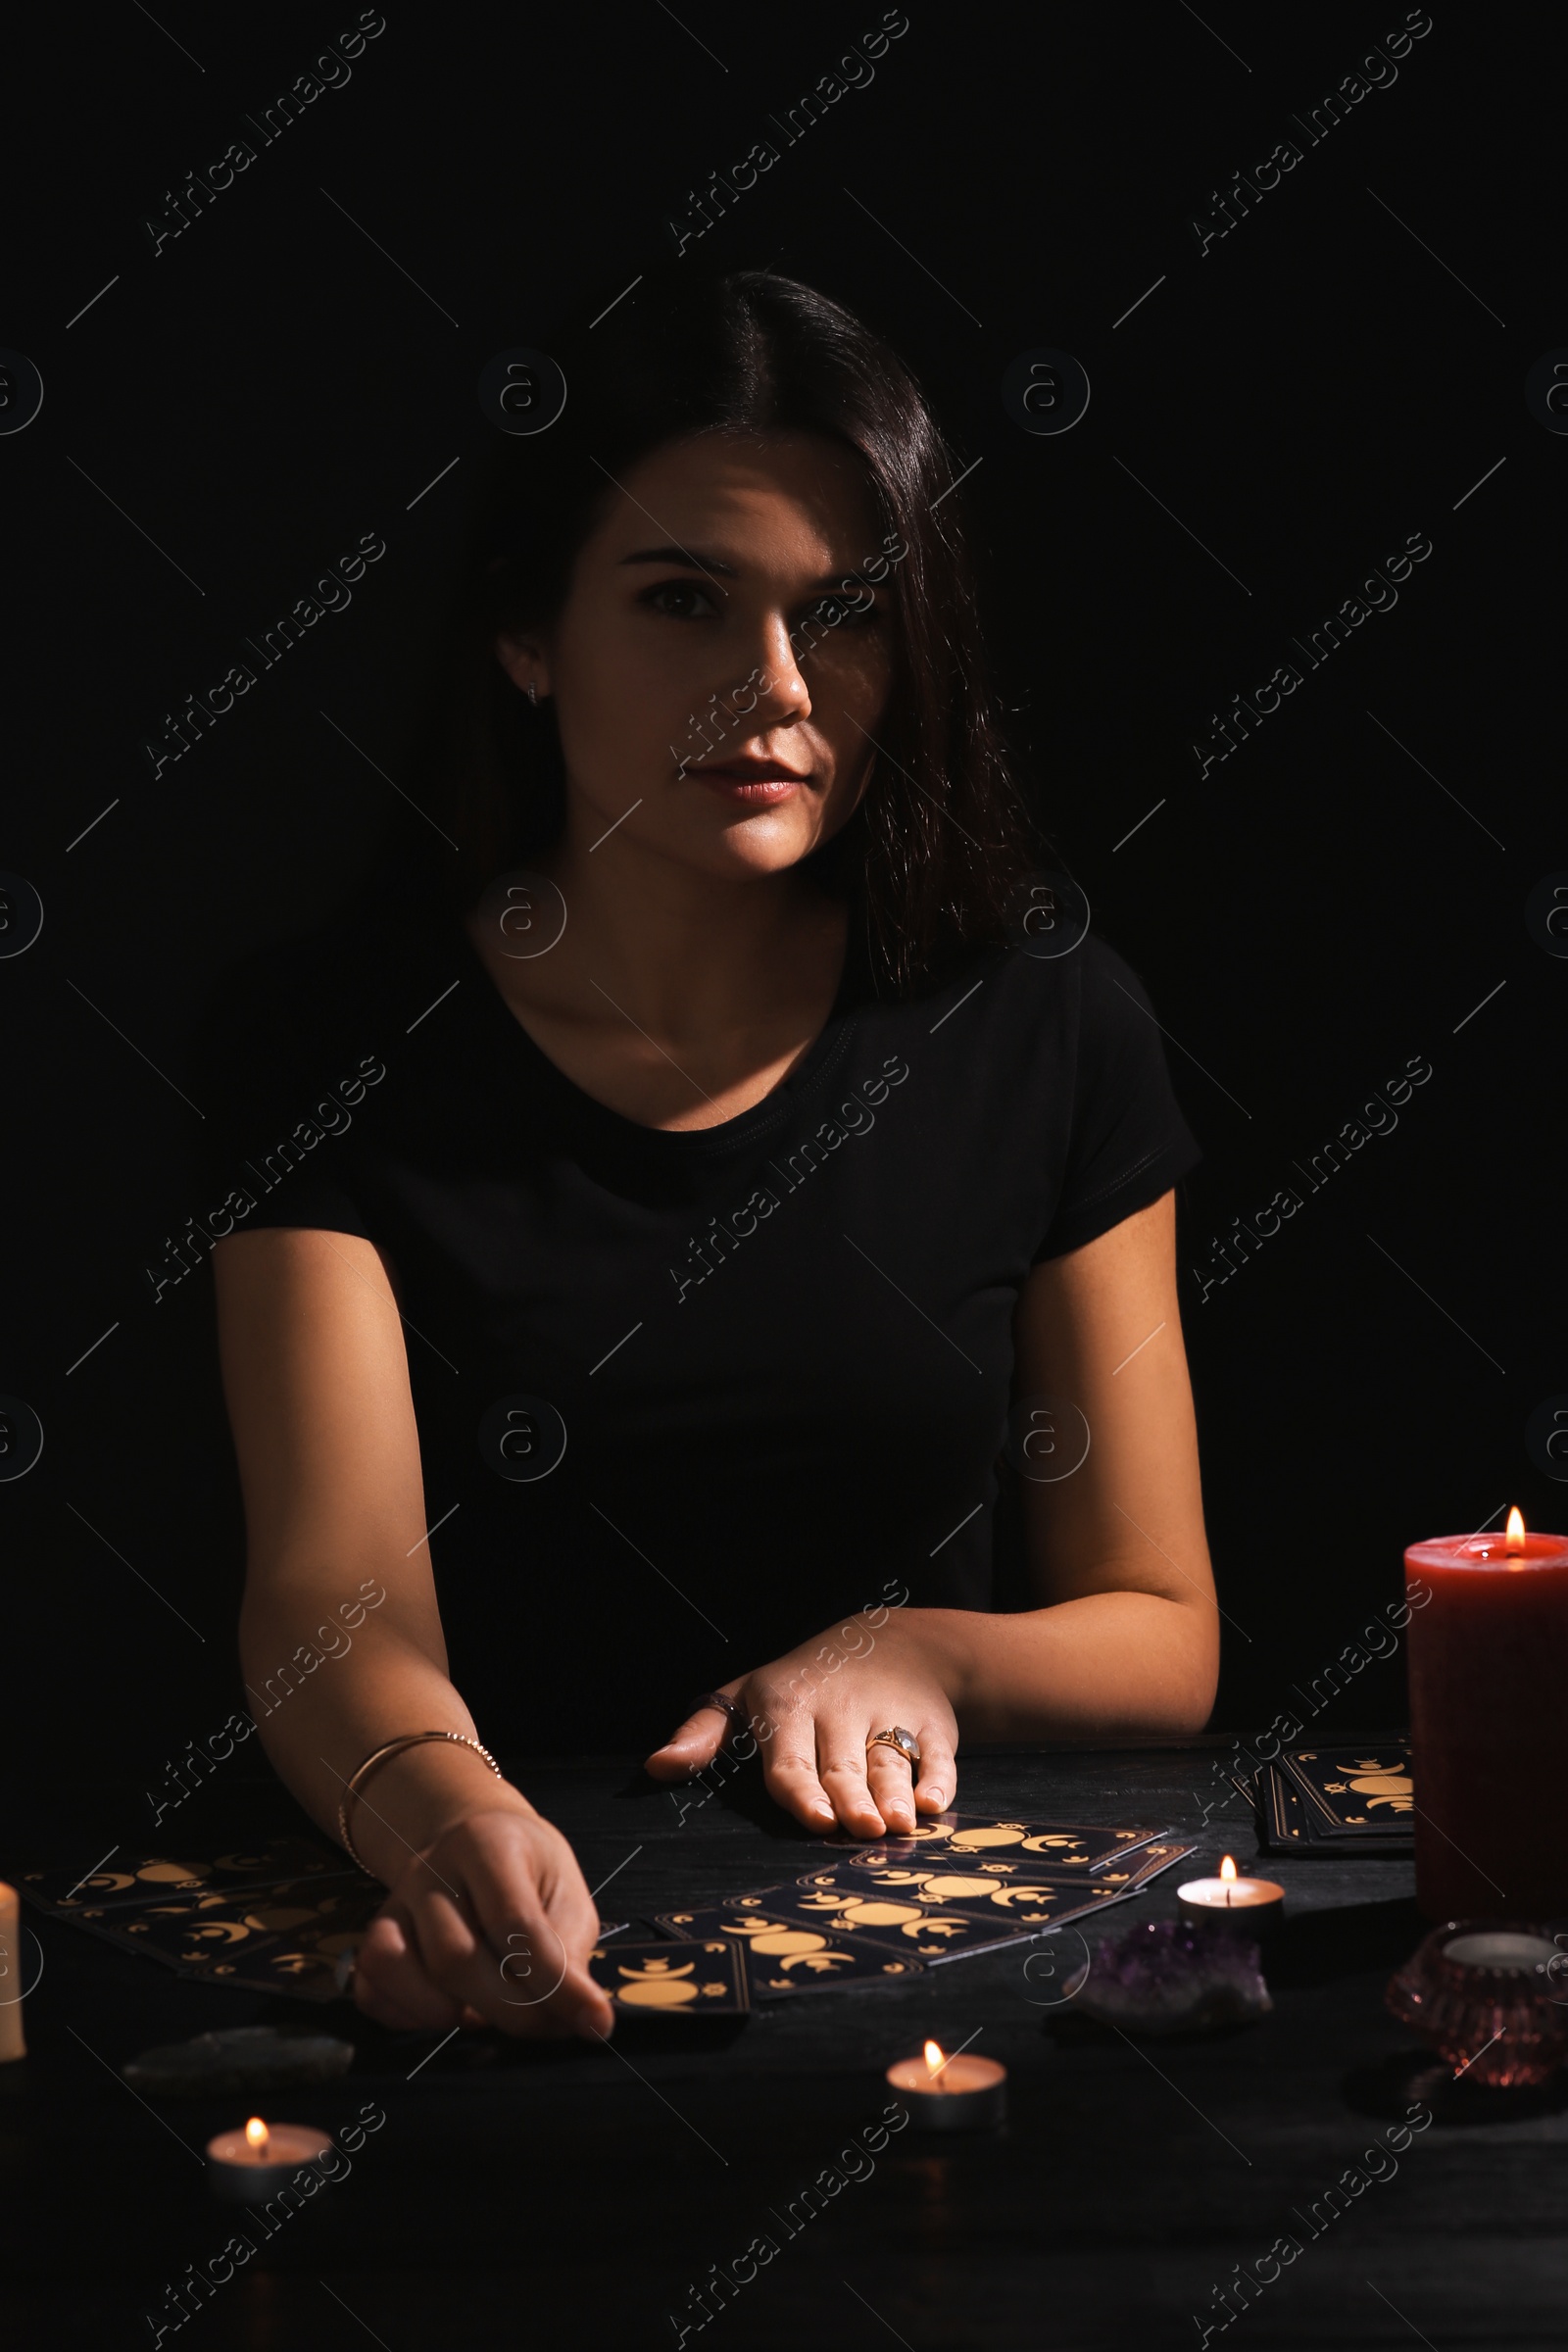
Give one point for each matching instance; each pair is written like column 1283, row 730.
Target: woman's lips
column 759, row 782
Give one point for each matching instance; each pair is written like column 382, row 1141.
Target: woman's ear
column 523, row 661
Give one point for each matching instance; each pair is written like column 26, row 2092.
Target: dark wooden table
column 555, row 2196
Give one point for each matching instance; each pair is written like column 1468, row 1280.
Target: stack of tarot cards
column 877, row 1914
column 1336, row 1800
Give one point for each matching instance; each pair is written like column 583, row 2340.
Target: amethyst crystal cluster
column 1163, row 1977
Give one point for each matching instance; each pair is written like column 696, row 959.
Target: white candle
column 950, row 2094
column 1499, row 1947
column 1251, row 1906
column 246, row 2168
column 13, row 2042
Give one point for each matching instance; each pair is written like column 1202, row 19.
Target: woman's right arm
column 488, row 1918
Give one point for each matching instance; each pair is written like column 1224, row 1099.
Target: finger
column 892, row 1785
column 509, row 1975
column 695, row 1743
column 390, row 1982
column 790, row 1776
column 841, row 1765
column 547, row 1985
column 447, row 1946
column 536, row 1939
column 936, row 1784
column 591, row 2012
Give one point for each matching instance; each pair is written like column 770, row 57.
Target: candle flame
column 1514, row 1539
column 257, row 2133
column 935, row 2057
column 1226, row 1869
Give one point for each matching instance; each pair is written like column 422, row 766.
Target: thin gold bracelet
column 380, row 1756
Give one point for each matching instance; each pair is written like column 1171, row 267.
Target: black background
column 1323, row 906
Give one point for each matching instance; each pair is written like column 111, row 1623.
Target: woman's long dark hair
column 941, row 834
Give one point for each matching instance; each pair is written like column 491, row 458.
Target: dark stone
column 238, row 2058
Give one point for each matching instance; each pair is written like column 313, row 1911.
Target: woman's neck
column 686, row 955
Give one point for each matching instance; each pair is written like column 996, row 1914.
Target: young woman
column 652, row 1250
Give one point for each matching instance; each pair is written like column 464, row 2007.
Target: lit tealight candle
column 246, row 2168
column 950, row 2094
column 1251, row 1906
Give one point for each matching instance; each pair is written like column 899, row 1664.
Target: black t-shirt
column 686, row 1400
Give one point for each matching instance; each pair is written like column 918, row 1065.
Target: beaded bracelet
column 351, row 1786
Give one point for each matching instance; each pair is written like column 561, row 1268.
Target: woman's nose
column 781, row 690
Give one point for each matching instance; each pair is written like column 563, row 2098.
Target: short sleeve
column 282, row 1078
column 1129, row 1141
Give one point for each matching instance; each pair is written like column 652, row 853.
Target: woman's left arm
column 1126, row 1636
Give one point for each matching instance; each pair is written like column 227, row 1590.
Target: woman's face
column 711, row 623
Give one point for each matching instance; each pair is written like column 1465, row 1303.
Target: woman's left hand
column 811, row 1714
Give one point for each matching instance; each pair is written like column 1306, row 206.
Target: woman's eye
column 684, row 600
column 677, row 591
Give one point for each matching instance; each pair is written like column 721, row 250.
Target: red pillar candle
column 1489, row 1723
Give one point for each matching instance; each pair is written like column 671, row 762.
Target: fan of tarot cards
column 285, row 1915
column 876, row 1914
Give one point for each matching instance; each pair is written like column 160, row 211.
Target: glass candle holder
column 1491, row 1997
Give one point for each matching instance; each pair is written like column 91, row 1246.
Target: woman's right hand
column 490, row 1925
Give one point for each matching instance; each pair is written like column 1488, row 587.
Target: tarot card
column 984, row 1870
column 1149, row 1863
column 304, row 1922
column 782, row 1957
column 1357, row 1788
column 1321, row 1822
column 299, row 1937
column 924, row 1919
column 1050, row 1849
column 1287, row 1824
column 702, row 1978
column 929, row 1827
column 1283, row 1817
column 126, row 1880
column 940, row 1879
column 310, row 1959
